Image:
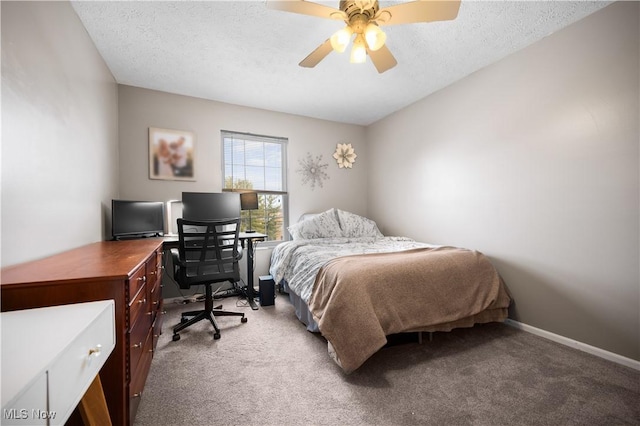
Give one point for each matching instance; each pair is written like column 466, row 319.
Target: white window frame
column 283, row 193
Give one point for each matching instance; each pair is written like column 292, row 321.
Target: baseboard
column 609, row 356
column 168, row 300
column 182, row 300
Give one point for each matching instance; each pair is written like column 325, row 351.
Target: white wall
column 533, row 161
column 59, row 132
column 140, row 109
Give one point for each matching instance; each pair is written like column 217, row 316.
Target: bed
column 356, row 286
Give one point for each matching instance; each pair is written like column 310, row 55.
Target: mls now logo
column 23, row 414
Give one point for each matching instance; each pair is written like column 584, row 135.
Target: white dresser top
column 33, row 338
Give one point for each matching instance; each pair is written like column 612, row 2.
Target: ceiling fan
column 364, row 18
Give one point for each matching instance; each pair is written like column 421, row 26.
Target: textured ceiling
column 243, row 53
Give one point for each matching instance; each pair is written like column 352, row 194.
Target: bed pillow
column 355, row 226
column 306, row 216
column 323, row 225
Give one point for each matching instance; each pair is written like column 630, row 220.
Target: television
column 210, row 205
column 136, row 219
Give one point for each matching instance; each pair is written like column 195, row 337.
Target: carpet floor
column 271, row 371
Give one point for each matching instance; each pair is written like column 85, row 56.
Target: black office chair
column 208, row 253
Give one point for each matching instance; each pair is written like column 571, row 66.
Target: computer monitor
column 210, row 205
column 136, row 219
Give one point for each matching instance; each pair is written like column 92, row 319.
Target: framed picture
column 171, row 154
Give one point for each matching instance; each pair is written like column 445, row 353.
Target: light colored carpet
column 271, row 371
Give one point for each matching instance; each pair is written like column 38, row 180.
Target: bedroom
column 560, row 221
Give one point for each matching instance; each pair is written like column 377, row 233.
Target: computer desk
column 249, row 292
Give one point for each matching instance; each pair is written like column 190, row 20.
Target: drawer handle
column 95, row 351
column 137, row 345
column 142, row 301
column 136, row 395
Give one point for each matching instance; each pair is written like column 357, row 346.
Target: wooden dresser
column 127, row 272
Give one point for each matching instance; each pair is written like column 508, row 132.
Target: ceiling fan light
column 375, row 36
column 358, row 51
column 340, row 39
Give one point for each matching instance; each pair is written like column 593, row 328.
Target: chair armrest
column 175, row 261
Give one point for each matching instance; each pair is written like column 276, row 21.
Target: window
column 258, row 163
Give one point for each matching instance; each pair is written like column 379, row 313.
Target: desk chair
column 208, row 253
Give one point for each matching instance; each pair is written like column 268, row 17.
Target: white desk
column 50, row 358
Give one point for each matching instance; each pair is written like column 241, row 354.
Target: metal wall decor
column 313, row 170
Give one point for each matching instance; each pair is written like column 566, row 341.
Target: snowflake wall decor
column 345, row 155
column 313, row 170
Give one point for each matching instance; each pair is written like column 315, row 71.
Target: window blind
column 254, row 162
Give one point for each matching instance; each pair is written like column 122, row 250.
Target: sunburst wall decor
column 313, row 170
column 345, row 155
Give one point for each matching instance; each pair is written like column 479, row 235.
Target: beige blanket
column 358, row 300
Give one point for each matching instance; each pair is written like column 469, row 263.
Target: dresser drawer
column 75, row 368
column 137, row 280
column 139, row 377
column 153, row 270
column 155, row 297
column 138, row 306
column 137, row 338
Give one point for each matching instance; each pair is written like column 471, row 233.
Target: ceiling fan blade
column 307, row 8
column 419, row 11
column 317, row 55
column 382, row 59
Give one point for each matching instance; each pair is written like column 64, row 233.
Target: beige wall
column 140, row 109
column 533, row 161
column 59, row 132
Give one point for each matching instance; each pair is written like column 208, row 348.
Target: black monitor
column 136, row 219
column 210, row 205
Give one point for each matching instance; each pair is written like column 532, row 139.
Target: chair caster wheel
column 243, row 319
column 216, row 336
column 175, row 337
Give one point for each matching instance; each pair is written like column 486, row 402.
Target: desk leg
column 250, row 291
column 93, row 406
